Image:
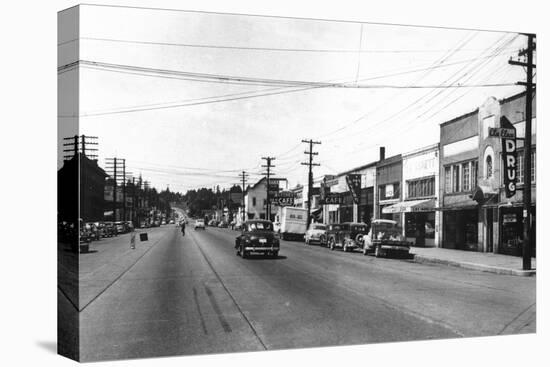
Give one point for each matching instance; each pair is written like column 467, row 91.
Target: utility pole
column 268, row 166
column 84, row 142
column 529, row 86
column 114, row 166
column 243, row 176
column 311, row 153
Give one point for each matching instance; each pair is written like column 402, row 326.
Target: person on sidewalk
column 183, row 228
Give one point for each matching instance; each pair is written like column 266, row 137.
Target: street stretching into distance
column 191, row 294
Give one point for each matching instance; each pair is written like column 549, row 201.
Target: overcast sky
column 197, row 145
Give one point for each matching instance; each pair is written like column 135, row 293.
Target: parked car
column 317, row 233
column 212, row 223
column 257, row 236
column 163, row 222
column 110, row 229
column 222, row 224
column 120, row 227
column 199, row 224
column 384, row 238
column 348, row 236
column 171, row 221
column 93, row 228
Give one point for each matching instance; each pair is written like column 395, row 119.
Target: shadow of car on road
column 264, row 257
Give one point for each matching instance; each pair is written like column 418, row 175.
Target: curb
column 473, row 266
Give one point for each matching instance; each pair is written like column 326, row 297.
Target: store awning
column 411, row 206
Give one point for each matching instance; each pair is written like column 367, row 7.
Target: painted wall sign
column 509, row 157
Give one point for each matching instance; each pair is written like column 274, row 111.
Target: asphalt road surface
column 192, row 294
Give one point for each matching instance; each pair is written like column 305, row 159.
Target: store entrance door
column 489, row 212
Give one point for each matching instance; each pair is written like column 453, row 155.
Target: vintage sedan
column 257, row 236
column 317, row 233
column 385, row 237
column 348, row 237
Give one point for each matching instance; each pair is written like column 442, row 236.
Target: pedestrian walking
column 133, row 241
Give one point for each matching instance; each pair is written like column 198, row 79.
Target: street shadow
column 49, row 346
column 88, row 252
column 265, row 257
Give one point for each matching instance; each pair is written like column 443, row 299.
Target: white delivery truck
column 290, row 222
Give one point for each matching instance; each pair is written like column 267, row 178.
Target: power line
column 251, row 48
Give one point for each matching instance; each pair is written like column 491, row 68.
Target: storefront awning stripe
column 412, row 206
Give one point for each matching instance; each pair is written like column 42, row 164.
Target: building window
column 448, row 179
column 520, row 167
column 253, row 201
column 489, row 167
column 466, row 177
column 474, row 174
column 456, row 178
column 421, row 188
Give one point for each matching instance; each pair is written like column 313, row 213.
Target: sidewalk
column 489, row 262
column 109, row 258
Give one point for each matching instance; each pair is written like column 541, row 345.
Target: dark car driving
column 257, row 236
column 347, row 236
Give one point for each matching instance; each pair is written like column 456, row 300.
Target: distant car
column 110, row 229
column 257, row 236
column 384, row 238
column 120, row 227
column 199, row 224
column 348, row 237
column 171, row 221
column 222, row 225
column 129, row 226
column 163, row 222
column 317, row 233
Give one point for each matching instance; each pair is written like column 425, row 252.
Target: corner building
column 471, row 167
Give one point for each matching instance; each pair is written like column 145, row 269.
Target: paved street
column 188, row 295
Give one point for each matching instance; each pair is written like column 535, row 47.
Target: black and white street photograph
column 234, row 183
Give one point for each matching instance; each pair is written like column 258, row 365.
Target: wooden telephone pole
column 529, row 86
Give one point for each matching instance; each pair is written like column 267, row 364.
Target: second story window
column 489, row 167
column 253, row 201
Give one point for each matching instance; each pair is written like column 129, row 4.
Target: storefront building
column 389, row 178
column 420, row 197
column 471, row 167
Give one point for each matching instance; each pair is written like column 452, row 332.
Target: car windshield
column 319, row 226
column 259, row 226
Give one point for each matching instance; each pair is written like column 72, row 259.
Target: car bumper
column 394, row 248
column 261, row 249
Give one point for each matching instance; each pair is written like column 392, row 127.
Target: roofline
column 390, row 160
column 427, row 148
column 468, row 114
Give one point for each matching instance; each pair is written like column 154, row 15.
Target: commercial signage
column 509, row 157
column 283, row 198
column 354, row 184
column 389, row 191
column 507, row 133
column 509, row 218
column 331, row 198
